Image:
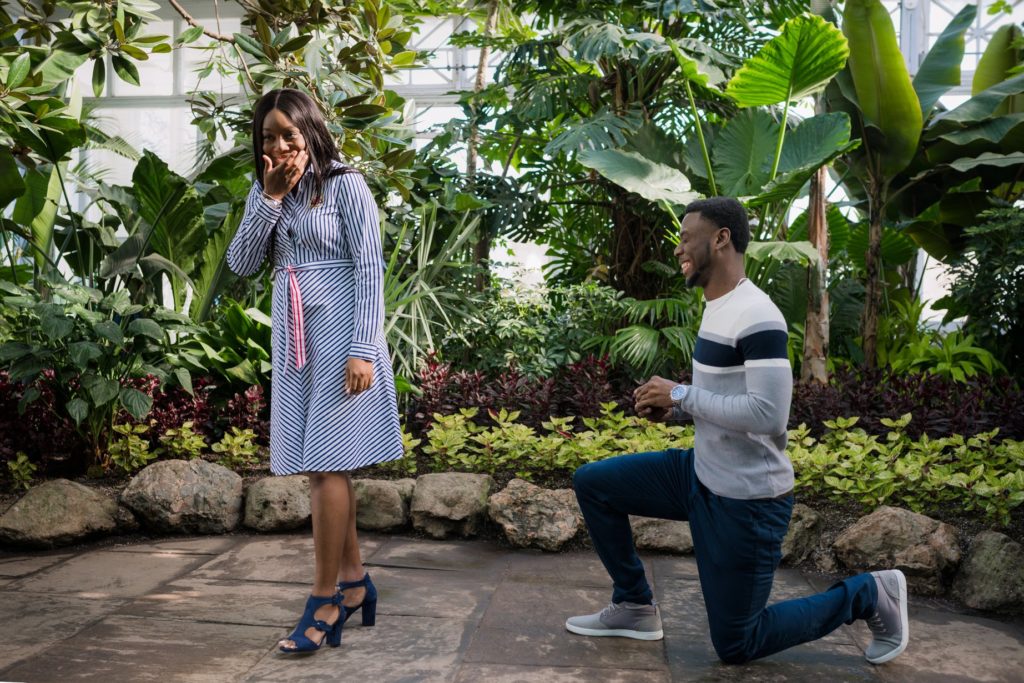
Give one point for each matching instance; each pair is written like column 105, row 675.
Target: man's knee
column 584, row 478
column 733, row 649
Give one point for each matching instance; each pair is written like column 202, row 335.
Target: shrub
column 238, row 449
column 183, row 442
column 21, row 470
column 941, row 406
column 578, row 389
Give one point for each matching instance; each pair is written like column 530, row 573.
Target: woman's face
column 281, row 138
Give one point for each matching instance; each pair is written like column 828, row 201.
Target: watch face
column 678, row 392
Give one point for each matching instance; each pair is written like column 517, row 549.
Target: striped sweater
column 742, row 387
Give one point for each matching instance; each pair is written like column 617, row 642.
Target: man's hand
column 653, row 400
column 358, row 376
column 279, row 180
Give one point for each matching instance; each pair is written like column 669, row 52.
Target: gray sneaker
column 625, row 619
column 889, row 624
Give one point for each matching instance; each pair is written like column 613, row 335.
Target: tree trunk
column 873, row 266
column 814, row 365
column 636, row 240
column 482, row 248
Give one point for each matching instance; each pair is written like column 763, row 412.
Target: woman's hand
column 279, row 180
column 358, row 376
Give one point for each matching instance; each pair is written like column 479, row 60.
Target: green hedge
column 972, row 474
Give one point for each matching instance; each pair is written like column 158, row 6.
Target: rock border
column 172, row 497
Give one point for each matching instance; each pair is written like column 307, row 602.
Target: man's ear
column 723, row 238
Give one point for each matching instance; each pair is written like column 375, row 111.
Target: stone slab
column 122, row 648
column 451, row 555
column 558, row 648
column 202, row 545
column 279, row 558
column 496, row 673
column 695, row 660
column 396, row 649
column 945, row 646
column 562, row 569
column 27, row 622
column 22, row 565
column 103, row 574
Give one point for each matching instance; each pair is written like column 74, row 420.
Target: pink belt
column 296, row 326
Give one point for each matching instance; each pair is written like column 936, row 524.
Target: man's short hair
column 725, row 212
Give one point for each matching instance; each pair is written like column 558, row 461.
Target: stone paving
column 212, row 608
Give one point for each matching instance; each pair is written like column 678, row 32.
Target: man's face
column 694, row 250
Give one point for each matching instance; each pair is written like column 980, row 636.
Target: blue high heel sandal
column 369, row 603
column 332, row 632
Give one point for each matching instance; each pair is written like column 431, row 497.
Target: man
column 735, row 487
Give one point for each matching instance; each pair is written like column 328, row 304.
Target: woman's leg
column 331, row 504
column 351, row 560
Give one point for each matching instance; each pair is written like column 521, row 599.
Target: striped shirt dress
column 328, row 306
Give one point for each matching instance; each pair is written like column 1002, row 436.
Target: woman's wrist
column 271, row 198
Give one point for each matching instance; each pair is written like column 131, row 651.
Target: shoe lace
column 611, row 609
column 876, row 624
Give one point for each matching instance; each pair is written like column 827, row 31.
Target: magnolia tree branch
column 192, row 22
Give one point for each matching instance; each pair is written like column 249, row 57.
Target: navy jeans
column 737, row 544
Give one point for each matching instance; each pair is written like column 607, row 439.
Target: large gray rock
column 383, row 504
column 803, row 535
column 278, row 503
column 59, row 512
column 532, row 516
column 450, row 503
column 186, row 496
column 992, row 575
column 664, row 535
column 928, row 551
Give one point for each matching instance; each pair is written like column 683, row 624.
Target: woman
column 333, row 407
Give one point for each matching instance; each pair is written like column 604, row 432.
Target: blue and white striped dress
column 333, row 252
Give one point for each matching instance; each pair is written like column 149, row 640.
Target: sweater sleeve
column 361, row 224
column 764, row 408
column 248, row 248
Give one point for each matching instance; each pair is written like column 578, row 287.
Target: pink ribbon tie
column 298, row 330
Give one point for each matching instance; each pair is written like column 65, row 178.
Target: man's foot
column 889, row 624
column 625, row 619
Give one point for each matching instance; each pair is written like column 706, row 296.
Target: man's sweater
column 742, row 387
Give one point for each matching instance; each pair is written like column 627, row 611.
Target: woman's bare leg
column 351, row 559
column 331, row 506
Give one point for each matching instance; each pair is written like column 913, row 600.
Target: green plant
column 183, row 442
column 21, row 470
column 952, row 355
column 986, row 285
column 234, row 344
column 974, row 474
column 88, row 346
column 130, row 452
column 238, row 449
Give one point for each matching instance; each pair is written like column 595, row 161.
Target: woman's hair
column 303, row 112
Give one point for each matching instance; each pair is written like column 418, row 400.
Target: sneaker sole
column 901, row 580
column 620, row 632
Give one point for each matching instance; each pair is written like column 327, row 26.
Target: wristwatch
column 678, row 393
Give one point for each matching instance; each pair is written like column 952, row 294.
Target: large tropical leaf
column 1011, row 160
column 838, row 229
column 743, row 153
column 606, row 129
column 984, row 105
column 885, row 93
column 991, row 135
column 36, row 209
column 798, row 252
column 11, row 184
column 787, row 186
column 897, row 247
column 212, row 272
column 1003, row 53
column 649, row 179
column 794, row 64
column 940, row 69
column 814, row 140
column 174, row 213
